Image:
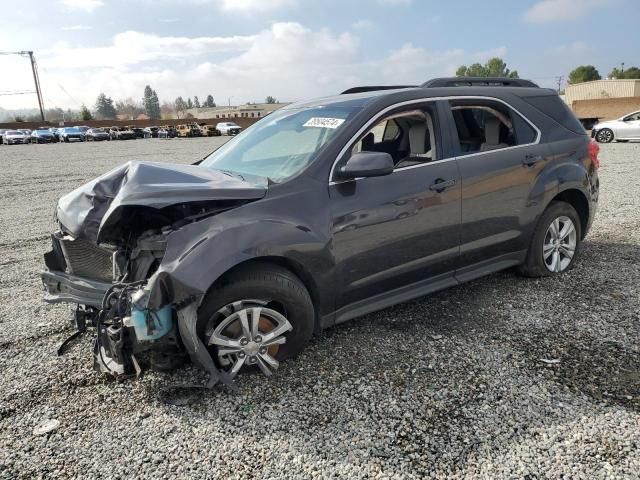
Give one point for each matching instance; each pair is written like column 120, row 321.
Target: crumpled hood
column 85, row 210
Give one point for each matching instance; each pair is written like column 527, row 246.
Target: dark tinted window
column 554, row 107
column 487, row 125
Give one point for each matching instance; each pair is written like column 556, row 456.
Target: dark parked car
column 42, row 135
column 97, row 135
column 323, row 211
column 151, row 132
column 138, row 132
column 68, row 134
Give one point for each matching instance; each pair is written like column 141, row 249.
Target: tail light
column 594, row 149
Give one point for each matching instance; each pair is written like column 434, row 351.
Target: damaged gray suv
column 321, row 212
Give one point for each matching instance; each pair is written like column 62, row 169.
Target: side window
column 408, row 137
column 485, row 126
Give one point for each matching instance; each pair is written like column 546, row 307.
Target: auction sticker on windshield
column 323, row 122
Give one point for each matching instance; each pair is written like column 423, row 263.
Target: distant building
column 603, row 99
column 250, row 110
column 602, row 89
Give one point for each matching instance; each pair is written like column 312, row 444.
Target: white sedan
column 228, row 128
column 622, row 130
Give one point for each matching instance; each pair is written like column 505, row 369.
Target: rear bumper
column 61, row 287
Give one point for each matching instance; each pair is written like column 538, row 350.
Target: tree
column 179, row 106
column 129, row 107
column 85, row 114
column 18, row 119
column 189, row 103
column 104, row 108
column 583, row 73
column 270, row 99
column 196, row 102
column 166, row 109
column 629, row 73
column 209, row 102
column 151, row 103
column 495, row 67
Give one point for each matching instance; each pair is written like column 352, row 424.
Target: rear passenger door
column 499, row 158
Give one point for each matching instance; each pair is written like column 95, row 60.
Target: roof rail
column 375, row 87
column 478, row 82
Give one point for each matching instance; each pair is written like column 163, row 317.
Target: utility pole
column 559, row 80
column 36, row 80
column 622, row 70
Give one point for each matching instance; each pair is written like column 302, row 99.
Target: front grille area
column 87, row 260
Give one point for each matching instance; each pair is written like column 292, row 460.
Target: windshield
column 282, row 144
column 98, row 130
column 43, row 131
column 14, row 132
column 72, row 129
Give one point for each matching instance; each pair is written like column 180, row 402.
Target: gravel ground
column 449, row 386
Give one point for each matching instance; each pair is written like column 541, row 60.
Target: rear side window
column 483, row 126
column 554, row 107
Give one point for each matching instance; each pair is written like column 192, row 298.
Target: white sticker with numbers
column 323, row 122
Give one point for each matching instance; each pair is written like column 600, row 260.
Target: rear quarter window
column 553, row 106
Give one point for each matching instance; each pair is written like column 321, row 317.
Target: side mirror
column 367, row 164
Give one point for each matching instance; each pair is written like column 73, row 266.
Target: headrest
column 418, row 138
column 491, row 130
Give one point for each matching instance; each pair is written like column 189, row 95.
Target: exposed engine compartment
column 108, row 256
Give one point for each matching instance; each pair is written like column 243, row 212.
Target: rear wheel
column 555, row 242
column 257, row 317
column 605, row 135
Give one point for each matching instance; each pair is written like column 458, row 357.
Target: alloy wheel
column 559, row 244
column 605, row 136
column 247, row 332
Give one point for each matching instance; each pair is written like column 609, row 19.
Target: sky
column 243, row 50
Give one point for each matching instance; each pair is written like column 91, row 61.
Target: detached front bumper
column 62, row 287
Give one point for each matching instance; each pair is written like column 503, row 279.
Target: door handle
column 440, row 185
column 530, row 160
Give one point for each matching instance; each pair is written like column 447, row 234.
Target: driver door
column 397, row 234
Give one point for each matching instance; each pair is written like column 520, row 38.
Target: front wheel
column 555, row 242
column 257, row 317
column 605, row 135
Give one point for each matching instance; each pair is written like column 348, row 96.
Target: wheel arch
column 293, row 266
column 578, row 200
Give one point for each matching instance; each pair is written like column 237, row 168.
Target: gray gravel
column 448, row 386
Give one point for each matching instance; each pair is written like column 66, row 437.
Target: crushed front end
column 123, row 255
column 107, row 283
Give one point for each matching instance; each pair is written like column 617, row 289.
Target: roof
column 364, row 98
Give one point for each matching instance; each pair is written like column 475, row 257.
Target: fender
column 199, row 254
column 552, row 181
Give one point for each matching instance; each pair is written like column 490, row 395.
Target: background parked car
column 183, row 130
column 96, row 134
column 43, row 135
column 121, row 133
column 2, row 130
column 209, row 130
column 228, row 128
column 137, row 131
column 151, row 132
column 621, row 130
column 12, row 137
column 55, row 133
column 171, row 131
column 71, row 133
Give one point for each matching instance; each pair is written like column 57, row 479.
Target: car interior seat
column 492, row 126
